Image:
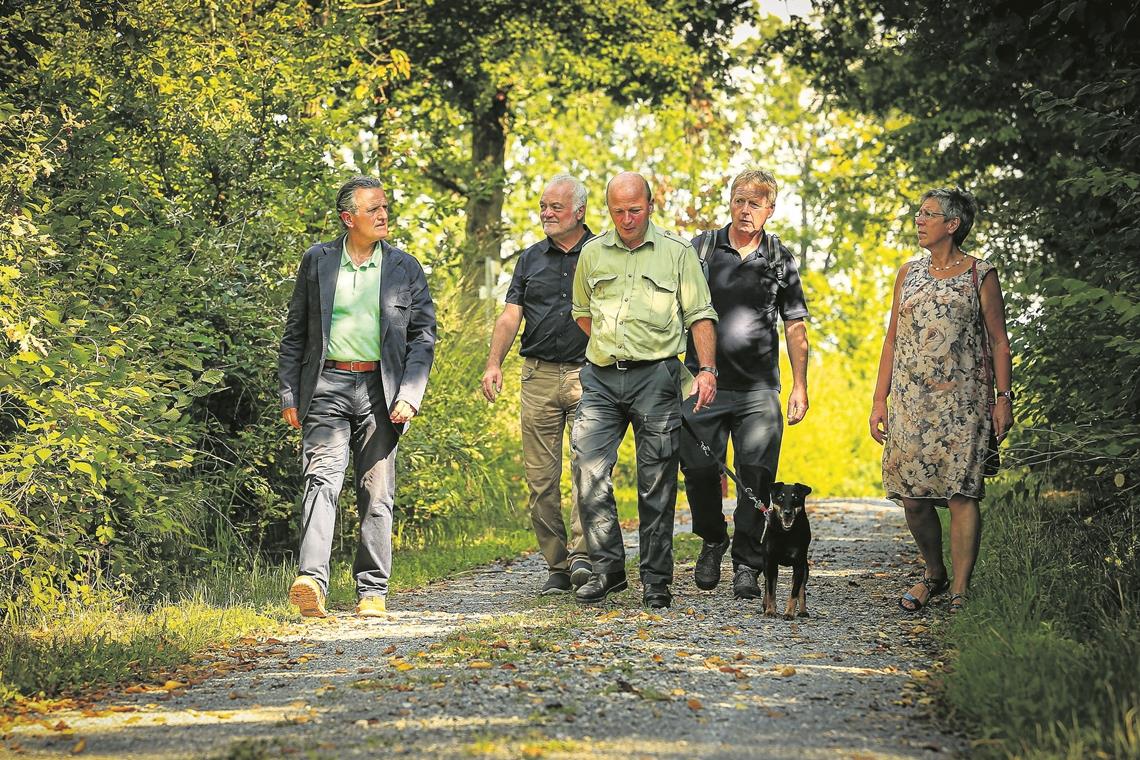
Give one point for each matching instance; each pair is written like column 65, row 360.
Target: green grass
column 101, row 646
column 1046, row 656
column 83, row 646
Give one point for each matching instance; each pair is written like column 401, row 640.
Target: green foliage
column 1052, row 157
column 1048, row 656
column 156, row 194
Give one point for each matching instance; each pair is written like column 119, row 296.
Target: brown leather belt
column 352, row 366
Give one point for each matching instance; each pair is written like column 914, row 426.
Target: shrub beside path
column 478, row 666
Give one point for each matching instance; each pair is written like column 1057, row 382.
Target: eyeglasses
column 927, row 215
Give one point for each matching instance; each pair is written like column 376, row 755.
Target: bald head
column 630, row 202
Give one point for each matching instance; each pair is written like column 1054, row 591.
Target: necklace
column 948, row 266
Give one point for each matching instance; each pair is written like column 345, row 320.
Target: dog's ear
column 777, row 486
column 802, row 490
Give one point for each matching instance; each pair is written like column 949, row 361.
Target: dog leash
column 728, row 471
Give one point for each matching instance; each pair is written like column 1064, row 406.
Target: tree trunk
column 485, row 201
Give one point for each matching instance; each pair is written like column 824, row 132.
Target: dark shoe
column 744, row 584
column 707, row 572
column 935, row 586
column 656, row 596
column 556, row 583
column 600, row 586
column 580, row 572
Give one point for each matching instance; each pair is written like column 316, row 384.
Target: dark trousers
column 754, row 421
column 649, row 399
column 348, row 414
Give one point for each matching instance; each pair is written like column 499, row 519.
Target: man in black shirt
column 752, row 277
column 553, row 350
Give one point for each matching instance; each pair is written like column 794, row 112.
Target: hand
column 401, row 412
column 289, row 414
column 878, row 421
column 492, row 382
column 1002, row 415
column 797, row 405
column 704, row 386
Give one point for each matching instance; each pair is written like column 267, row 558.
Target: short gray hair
column 957, row 204
column 759, row 177
column 346, row 196
column 578, row 189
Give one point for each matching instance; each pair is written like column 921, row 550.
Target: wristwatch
column 711, row 370
column 1007, row 394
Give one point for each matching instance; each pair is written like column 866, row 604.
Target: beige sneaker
column 371, row 606
column 306, row 596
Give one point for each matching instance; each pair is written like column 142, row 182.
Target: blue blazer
column 407, row 321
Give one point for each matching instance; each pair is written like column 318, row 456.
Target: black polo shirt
column 747, row 297
column 543, row 285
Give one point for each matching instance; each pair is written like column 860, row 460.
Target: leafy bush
column 1048, row 663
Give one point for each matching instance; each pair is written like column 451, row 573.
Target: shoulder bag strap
column 987, row 360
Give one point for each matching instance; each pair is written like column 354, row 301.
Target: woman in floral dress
column 942, row 409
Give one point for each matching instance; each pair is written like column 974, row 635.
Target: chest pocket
column 661, row 299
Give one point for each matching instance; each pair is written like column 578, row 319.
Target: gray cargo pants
column 649, row 398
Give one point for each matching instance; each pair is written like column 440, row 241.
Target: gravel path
column 478, row 666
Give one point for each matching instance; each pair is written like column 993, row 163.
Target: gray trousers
column 756, row 424
column 649, row 399
column 550, row 394
column 348, row 414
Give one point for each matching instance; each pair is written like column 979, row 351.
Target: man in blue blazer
column 353, row 367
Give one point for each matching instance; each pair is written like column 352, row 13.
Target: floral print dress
column 938, row 418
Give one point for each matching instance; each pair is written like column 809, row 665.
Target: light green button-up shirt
column 355, row 331
column 640, row 302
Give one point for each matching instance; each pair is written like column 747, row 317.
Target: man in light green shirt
column 636, row 290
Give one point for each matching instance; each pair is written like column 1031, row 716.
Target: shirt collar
column 346, row 260
column 652, row 236
column 551, row 247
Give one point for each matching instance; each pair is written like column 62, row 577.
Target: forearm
column 584, row 324
column 503, row 336
column 883, row 381
column 704, row 340
column 795, row 334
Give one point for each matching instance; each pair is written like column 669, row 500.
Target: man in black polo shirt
column 553, row 350
column 752, row 278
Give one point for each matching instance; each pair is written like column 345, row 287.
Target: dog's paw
column 803, row 613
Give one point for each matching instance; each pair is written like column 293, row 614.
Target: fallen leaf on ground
column 79, row 746
column 786, row 671
column 694, row 704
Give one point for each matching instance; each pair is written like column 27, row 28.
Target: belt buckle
column 618, row 363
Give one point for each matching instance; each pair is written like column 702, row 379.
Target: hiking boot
column 707, row 572
column 600, row 586
column 371, row 606
column 556, row 583
column 656, row 596
column 305, row 594
column 580, row 572
column 744, row 585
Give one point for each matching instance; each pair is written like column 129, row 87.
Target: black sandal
column 957, row 602
column 935, row 586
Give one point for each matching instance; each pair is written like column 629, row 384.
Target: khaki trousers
column 550, row 395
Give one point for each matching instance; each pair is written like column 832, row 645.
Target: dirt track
column 479, row 666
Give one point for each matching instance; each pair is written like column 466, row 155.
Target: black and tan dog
column 786, row 540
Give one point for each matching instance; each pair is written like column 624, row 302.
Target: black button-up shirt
column 747, row 296
column 543, row 285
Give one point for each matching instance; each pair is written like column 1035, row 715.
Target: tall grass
column 1048, row 648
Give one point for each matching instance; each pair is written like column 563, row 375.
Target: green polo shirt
column 640, row 302
column 355, row 331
